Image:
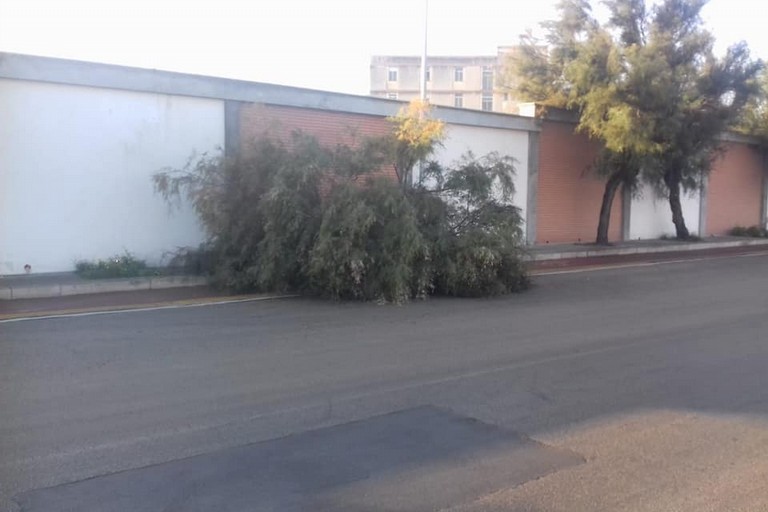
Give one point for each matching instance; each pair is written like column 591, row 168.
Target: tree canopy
column 645, row 83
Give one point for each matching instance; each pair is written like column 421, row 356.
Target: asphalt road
column 626, row 389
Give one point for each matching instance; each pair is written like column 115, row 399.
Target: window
column 391, row 95
column 458, row 74
column 487, row 102
column 458, row 100
column 487, row 78
column 392, row 75
column 428, row 74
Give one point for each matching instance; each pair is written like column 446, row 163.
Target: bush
column 739, row 231
column 369, row 246
column 309, row 218
column 752, row 231
column 197, row 261
column 479, row 244
column 116, row 266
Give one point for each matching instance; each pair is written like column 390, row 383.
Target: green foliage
column 414, row 137
column 751, row 231
column 739, row 231
column 369, row 245
column 315, row 220
column 754, row 121
column 197, row 261
column 290, row 211
column 474, row 231
column 646, row 84
column 125, row 265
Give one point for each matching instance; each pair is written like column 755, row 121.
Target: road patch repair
column 414, row 460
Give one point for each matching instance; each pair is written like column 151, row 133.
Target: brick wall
column 734, row 194
column 329, row 127
column 569, row 194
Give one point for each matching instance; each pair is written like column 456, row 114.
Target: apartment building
column 455, row 81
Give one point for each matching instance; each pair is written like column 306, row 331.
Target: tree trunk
column 672, row 180
column 611, row 186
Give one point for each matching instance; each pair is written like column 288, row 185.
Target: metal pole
column 423, row 88
column 417, row 171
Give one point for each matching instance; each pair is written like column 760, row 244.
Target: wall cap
column 90, row 74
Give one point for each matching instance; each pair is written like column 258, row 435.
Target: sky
column 318, row 44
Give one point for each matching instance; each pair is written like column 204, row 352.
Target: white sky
column 320, row 44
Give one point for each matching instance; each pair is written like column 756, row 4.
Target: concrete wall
column 650, row 216
column 75, row 167
column 481, row 141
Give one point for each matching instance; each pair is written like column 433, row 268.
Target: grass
column 125, row 265
column 751, row 232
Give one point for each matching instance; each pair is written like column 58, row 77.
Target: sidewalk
column 62, row 284
column 585, row 250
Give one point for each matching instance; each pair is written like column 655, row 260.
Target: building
column 462, row 82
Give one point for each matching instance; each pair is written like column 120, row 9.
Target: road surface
column 619, row 390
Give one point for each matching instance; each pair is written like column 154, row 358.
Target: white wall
column 481, row 141
column 75, row 167
column 650, row 216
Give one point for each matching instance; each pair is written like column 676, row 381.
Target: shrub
column 192, row 260
column 478, row 249
column 752, row 231
column 310, row 218
column 739, row 231
column 369, row 245
column 290, row 211
column 125, row 265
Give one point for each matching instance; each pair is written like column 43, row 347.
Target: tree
column 754, row 119
column 639, row 82
column 582, row 65
column 697, row 99
column 415, row 135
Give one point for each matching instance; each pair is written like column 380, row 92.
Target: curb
column 642, row 259
column 625, row 251
column 100, row 286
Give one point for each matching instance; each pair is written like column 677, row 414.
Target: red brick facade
column 329, row 127
column 569, row 194
column 735, row 189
